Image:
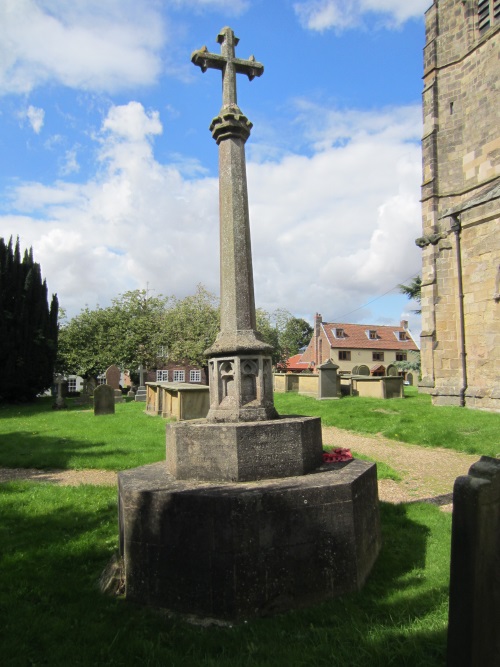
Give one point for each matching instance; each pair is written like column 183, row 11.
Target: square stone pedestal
column 244, row 451
column 235, row 550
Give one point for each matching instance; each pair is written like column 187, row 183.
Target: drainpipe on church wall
column 456, row 228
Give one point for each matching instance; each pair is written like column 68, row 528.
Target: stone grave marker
column 328, row 384
column 112, row 375
column 104, row 400
column 474, row 607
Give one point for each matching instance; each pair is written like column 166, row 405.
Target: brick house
column 177, row 372
column 460, row 242
column 350, row 345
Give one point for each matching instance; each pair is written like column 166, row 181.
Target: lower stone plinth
column 231, row 551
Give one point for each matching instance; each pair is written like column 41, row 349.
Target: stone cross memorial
column 240, row 368
column 243, row 518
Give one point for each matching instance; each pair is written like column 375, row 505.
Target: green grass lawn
column 412, row 419
column 36, row 436
column 56, row 541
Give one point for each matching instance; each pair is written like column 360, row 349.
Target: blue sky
column 108, row 169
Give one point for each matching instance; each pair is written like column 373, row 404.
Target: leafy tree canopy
column 139, row 329
column 286, row 333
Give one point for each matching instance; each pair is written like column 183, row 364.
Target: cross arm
column 204, row 59
column 250, row 67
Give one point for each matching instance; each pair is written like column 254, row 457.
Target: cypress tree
column 28, row 326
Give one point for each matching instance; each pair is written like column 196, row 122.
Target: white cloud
column 343, row 14
column 234, row 7
column 35, row 117
column 132, row 123
column 86, row 44
column 70, row 163
column 329, row 231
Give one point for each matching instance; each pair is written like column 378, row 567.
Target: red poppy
column 337, row 454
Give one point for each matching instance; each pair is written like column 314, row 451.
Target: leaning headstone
column 474, row 612
column 104, row 400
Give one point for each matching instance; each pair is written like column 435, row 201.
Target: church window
column 488, row 13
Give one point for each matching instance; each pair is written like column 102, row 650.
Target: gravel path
column 427, row 474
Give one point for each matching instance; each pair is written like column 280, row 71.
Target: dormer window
column 403, row 335
column 339, row 333
column 372, row 334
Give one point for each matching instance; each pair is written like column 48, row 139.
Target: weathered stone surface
column 244, row 452
column 104, row 400
column 460, row 345
column 329, row 383
column 474, row 614
column 235, row 396
column 113, row 374
column 234, row 551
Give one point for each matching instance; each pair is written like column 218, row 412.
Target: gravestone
column 104, row 400
column 87, row 392
column 113, row 375
column 328, row 384
column 60, row 403
column 140, row 394
column 243, row 518
column 474, row 607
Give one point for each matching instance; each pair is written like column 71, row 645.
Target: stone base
column 243, row 452
column 231, row 551
column 141, row 394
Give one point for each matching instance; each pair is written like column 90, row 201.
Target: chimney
column 404, row 324
column 317, row 329
column 317, row 324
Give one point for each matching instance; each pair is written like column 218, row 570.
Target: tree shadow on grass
column 56, row 542
column 22, row 449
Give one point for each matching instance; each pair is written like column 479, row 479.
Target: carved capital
column 230, row 123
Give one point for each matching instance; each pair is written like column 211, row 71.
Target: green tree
column 286, row 333
column 296, row 334
column 28, row 326
column 190, row 326
column 127, row 333
column 139, row 329
column 413, row 291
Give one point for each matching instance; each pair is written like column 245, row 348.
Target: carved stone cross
column 228, row 64
column 240, row 365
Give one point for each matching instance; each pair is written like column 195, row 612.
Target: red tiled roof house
column 350, row 345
